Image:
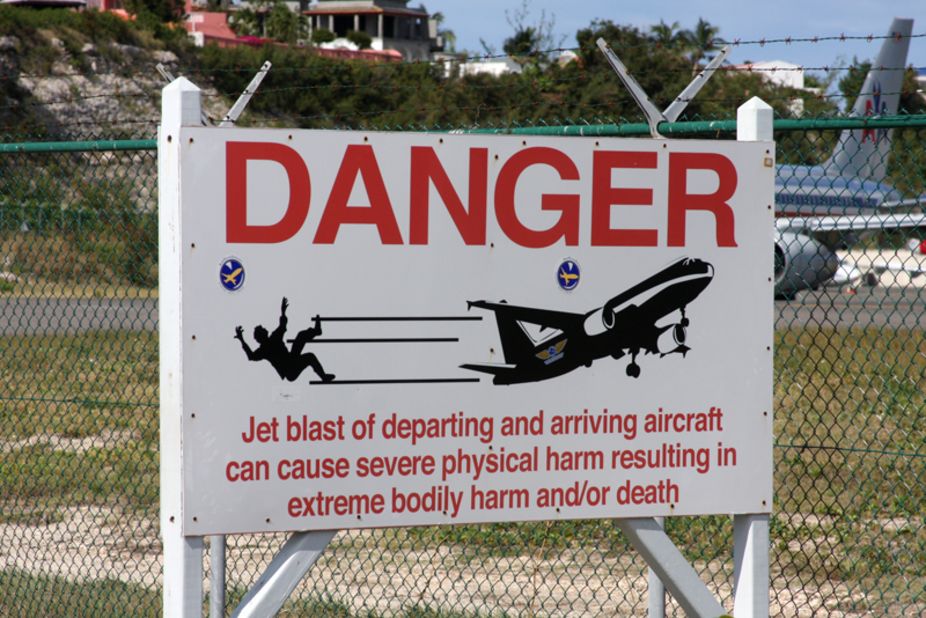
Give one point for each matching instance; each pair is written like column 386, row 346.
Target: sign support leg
column 656, row 595
column 750, row 566
column 284, row 573
column 649, row 539
column 217, row 576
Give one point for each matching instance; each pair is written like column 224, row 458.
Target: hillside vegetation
column 73, row 75
column 70, row 74
column 66, row 73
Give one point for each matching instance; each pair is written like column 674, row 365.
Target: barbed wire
column 357, row 121
column 717, row 43
column 842, row 38
column 748, row 67
column 423, row 110
column 442, row 85
column 733, row 99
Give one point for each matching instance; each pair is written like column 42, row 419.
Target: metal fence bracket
column 652, row 113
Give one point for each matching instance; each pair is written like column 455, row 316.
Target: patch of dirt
column 108, row 438
column 373, row 570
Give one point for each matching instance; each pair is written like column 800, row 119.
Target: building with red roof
column 391, row 24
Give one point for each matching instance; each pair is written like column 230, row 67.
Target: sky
column 741, row 19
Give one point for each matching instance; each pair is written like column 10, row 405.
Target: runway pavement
column 902, row 308
column 68, row 316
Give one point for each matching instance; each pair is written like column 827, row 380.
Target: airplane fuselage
column 626, row 324
column 810, row 191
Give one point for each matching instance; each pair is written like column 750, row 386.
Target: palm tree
column 702, row 39
column 449, row 37
column 668, row 35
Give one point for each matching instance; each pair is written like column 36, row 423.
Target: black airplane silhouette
column 540, row 344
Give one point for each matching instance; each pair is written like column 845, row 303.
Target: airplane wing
column 522, row 329
column 906, row 204
column 847, row 223
column 848, row 272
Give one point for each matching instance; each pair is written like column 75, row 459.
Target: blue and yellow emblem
column 552, row 353
column 231, row 274
column 567, row 275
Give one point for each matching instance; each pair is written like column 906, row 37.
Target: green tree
column 524, row 42
column 271, row 19
column 528, row 39
column 161, row 10
column 282, row 24
column 247, row 22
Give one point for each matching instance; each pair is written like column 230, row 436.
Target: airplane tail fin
column 863, row 153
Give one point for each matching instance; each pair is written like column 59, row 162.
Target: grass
column 40, row 287
column 90, row 404
column 90, row 229
column 326, row 607
column 849, row 463
column 55, row 597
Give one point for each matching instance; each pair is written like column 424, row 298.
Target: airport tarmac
column 897, row 301
column 894, row 307
column 895, row 264
column 892, row 299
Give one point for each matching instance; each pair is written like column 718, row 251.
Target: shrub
column 322, row 35
column 359, row 38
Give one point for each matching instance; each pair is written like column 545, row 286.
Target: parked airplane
column 822, row 208
column 539, row 344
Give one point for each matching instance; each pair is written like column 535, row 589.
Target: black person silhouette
column 288, row 363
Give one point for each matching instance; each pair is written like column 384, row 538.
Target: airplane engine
column 607, row 316
column 801, row 263
column 671, row 339
column 600, row 320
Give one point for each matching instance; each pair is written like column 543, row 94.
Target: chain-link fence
column 79, row 426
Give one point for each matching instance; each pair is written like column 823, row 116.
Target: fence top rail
column 700, row 127
column 697, row 127
column 79, row 146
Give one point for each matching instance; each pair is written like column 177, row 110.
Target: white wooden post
column 754, row 122
column 183, row 555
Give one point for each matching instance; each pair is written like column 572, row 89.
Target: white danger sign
column 390, row 329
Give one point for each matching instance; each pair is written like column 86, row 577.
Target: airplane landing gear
column 633, row 369
column 684, row 322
